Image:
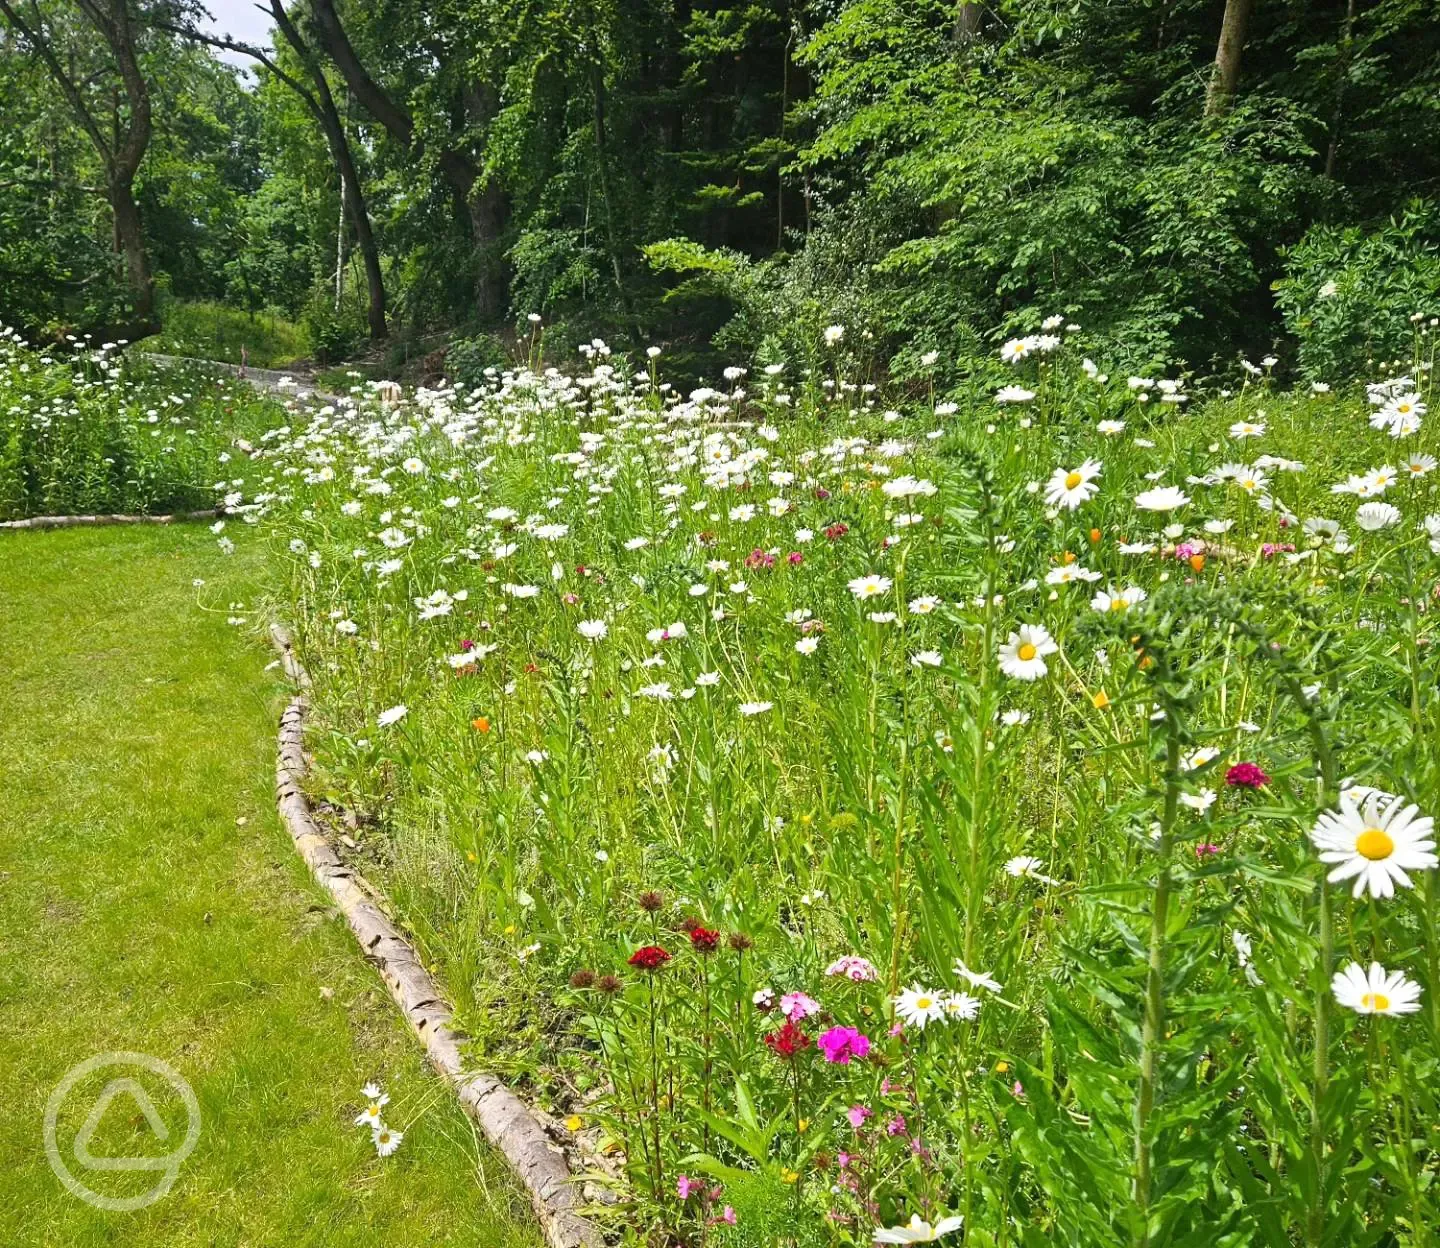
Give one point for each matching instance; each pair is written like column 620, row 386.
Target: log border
column 507, row 1122
column 76, row 522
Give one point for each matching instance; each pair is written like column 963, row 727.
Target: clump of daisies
column 385, row 1138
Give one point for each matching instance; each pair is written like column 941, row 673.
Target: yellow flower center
column 1118, row 604
column 1025, row 653
column 1376, row 1001
column 923, row 1003
column 1374, row 844
column 1072, row 479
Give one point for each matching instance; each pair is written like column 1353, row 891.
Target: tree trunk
column 130, row 242
column 352, row 197
column 967, row 21
column 485, row 209
column 1226, row 74
column 122, row 151
column 1342, row 71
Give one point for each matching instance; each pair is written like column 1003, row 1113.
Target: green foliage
column 94, row 432
column 1350, row 296
column 206, row 330
column 331, row 335
column 469, row 360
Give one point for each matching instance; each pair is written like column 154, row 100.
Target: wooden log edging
column 75, row 522
column 506, row 1120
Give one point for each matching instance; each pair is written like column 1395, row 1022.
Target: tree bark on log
column 78, row 522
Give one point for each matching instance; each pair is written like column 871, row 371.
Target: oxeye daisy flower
column 1375, row 844
column 917, row 1230
column 1023, row 654
column 1069, row 487
column 961, row 1005
column 1161, row 498
column 1117, row 599
column 1373, row 517
column 371, row 1115
column 919, row 1006
column 976, row 979
column 1013, row 394
column 871, row 586
column 387, row 1140
column 1376, row 991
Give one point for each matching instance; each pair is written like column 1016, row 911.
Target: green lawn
column 150, row 901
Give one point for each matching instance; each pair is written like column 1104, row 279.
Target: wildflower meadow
column 868, row 818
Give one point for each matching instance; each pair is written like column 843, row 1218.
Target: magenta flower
column 1246, row 776
column 684, row 1186
column 857, row 1115
column 840, row 1044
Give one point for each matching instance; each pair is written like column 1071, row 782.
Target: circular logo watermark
column 167, row 1167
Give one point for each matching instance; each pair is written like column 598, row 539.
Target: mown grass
column 213, row 331
column 151, row 902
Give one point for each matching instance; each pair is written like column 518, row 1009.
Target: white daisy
column 1023, row 654
column 387, row 1140
column 1372, row 517
column 918, row 1006
column 917, row 1230
column 1117, row 599
column 1161, row 498
column 1069, row 487
column 976, row 979
column 870, row 586
column 1376, row 991
column 1375, row 844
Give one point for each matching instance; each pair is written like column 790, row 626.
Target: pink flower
column 1203, row 851
column 857, row 1115
column 857, row 969
column 796, row 1005
column 795, row 558
column 684, row 1186
column 840, row 1044
column 896, row 1125
column 728, row 1216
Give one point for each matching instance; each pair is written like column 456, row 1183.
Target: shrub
column 1349, row 294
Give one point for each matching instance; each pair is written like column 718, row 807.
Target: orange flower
column 480, row 725
column 1100, row 701
column 1094, row 537
column 1197, row 562
column 1067, row 557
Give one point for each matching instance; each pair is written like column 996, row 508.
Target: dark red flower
column 1246, row 776
column 703, row 939
column 649, row 958
column 836, row 531
column 787, row 1041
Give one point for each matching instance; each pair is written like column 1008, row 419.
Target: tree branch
column 41, row 47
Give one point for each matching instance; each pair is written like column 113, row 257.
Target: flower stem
column 1154, row 1016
